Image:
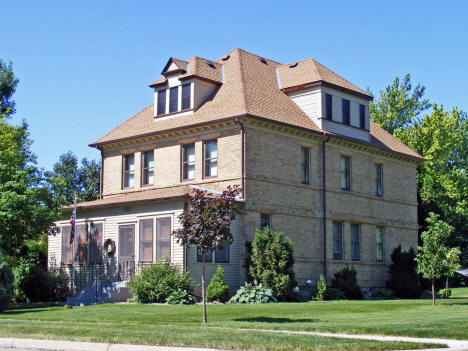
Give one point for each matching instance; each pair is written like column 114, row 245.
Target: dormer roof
column 174, row 65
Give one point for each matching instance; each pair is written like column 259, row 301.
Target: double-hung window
column 128, row 171
column 362, row 116
column 186, row 88
column 174, row 99
column 328, row 107
column 161, row 102
column 211, row 158
column 265, row 220
column 87, row 244
column 208, row 256
column 346, row 118
column 378, row 179
column 379, row 243
column 345, row 170
column 146, row 240
column 222, row 254
column 188, row 161
column 148, row 168
column 305, row 165
column 355, row 242
column 337, row 240
column 163, row 238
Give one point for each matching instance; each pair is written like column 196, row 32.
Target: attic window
column 210, row 64
column 293, row 65
column 262, row 60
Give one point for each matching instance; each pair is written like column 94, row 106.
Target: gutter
column 324, row 207
column 242, row 157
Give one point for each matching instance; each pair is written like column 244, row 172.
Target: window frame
column 189, row 86
column 353, row 241
column 228, row 254
column 156, row 233
column 338, row 255
column 328, row 107
column 162, row 111
column 208, row 256
column 140, row 241
column 362, row 116
column 186, row 163
column 172, row 100
column 126, row 173
column 379, row 245
column 379, row 179
column 346, row 113
column 212, row 159
column 99, row 244
column 146, row 170
column 66, row 247
column 305, row 165
column 265, row 215
column 346, row 173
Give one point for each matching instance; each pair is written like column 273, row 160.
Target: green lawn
column 460, row 293
column 180, row 325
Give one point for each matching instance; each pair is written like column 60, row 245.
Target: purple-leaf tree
column 206, row 223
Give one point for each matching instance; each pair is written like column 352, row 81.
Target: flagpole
column 73, row 230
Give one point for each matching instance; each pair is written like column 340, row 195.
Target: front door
column 126, row 251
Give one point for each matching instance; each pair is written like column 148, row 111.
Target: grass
column 459, row 293
column 180, row 325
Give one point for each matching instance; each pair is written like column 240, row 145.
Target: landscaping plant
column 156, row 282
column 6, row 283
column 272, row 262
column 218, row 290
column 404, row 280
column 345, row 280
column 321, row 288
column 252, row 293
column 180, row 297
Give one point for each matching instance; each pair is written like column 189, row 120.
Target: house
column 296, row 137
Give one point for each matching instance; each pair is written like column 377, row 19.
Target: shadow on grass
column 276, row 320
column 18, row 308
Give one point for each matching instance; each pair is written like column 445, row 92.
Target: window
column 346, row 118
column 163, row 238
column 67, row 249
column 161, row 102
column 305, row 165
column 188, row 161
column 338, row 240
column 345, row 165
column 211, row 158
column 222, row 255
column 95, row 242
column 129, row 171
column 88, row 243
column 146, row 240
column 186, row 96
column 148, row 167
column 362, row 116
column 81, row 236
column 328, row 107
column 208, row 256
column 378, row 179
column 174, row 99
column 265, row 220
column 355, row 242
column 379, row 243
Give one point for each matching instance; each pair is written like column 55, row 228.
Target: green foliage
column 8, row 83
column 272, row 262
column 334, row 294
column 345, row 280
column 321, row 288
column 180, row 297
column 404, row 280
column 445, row 292
column 156, row 282
column 218, row 290
column 384, row 294
column 252, row 293
column 6, row 283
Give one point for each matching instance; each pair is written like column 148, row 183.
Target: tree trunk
column 446, row 287
column 433, row 292
column 203, row 290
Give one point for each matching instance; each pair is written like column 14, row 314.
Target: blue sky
column 84, row 66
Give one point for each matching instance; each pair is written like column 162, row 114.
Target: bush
column 272, row 262
column 404, row 280
column 251, row 293
column 180, row 297
column 445, row 292
column 321, row 288
column 384, row 294
column 218, row 290
column 345, row 280
column 334, row 294
column 156, row 282
column 6, row 283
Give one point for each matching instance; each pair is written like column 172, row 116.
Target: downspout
column 242, row 157
column 101, row 185
column 324, row 207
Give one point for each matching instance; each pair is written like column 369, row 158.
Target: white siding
column 310, row 102
column 342, row 129
column 54, row 249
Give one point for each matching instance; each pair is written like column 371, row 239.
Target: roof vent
column 226, row 58
column 262, row 60
column 210, row 64
column 293, row 65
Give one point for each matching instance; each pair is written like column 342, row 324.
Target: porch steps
column 105, row 293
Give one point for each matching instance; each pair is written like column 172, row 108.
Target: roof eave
column 330, row 85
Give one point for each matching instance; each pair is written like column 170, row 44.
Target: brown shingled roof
column 203, row 68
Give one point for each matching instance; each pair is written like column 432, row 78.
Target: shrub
column 157, row 281
column 345, row 280
column 321, row 288
column 251, row 293
column 6, row 283
column 384, row 294
column 180, row 297
column 445, row 292
column 334, row 294
column 272, row 262
column 218, row 290
column 404, row 280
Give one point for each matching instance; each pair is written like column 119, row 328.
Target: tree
column 404, row 280
column 272, row 262
column 434, row 258
column 398, row 105
column 206, row 224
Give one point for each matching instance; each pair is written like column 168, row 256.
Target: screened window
column 211, row 158
column 82, row 244
column 265, row 220
column 378, row 179
column 95, row 242
column 174, row 99
column 328, row 107
column 67, row 249
column 345, row 166
column 362, row 116
column 163, row 238
column 188, row 161
column 148, row 167
column 146, row 240
column 208, row 256
column 128, row 171
column 379, row 243
column 186, row 96
column 305, row 165
column 355, row 242
column 222, row 254
column 338, row 240
column 161, row 102
column 345, row 105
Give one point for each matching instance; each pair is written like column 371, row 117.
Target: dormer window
column 362, row 116
column 346, row 119
column 186, row 88
column 174, row 99
column 328, row 106
column 161, row 102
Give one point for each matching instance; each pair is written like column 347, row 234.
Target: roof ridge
column 250, row 53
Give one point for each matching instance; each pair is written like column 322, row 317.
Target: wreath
column 109, row 247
